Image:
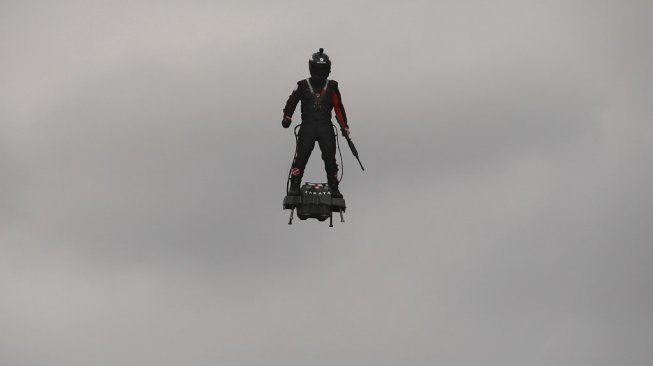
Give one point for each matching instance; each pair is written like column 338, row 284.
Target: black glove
column 285, row 122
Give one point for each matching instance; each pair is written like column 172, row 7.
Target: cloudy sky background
column 504, row 217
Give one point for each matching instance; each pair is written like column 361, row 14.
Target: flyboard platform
column 315, row 202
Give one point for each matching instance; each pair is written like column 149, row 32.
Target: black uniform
column 318, row 97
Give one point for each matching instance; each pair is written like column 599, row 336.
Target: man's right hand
column 285, row 122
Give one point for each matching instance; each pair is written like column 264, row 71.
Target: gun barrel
column 352, row 147
column 354, row 151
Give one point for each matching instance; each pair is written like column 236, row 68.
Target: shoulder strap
column 310, row 87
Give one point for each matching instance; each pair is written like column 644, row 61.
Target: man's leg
column 305, row 144
column 327, row 142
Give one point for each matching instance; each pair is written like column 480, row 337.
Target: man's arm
column 341, row 115
column 291, row 104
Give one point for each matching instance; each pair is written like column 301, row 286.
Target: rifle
column 353, row 150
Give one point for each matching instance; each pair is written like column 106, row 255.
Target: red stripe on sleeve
column 337, row 107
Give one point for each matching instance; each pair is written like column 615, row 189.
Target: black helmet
column 319, row 65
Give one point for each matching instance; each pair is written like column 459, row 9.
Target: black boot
column 335, row 193
column 295, row 182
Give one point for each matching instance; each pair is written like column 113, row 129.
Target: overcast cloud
column 504, row 217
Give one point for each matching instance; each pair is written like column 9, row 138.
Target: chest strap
column 310, row 87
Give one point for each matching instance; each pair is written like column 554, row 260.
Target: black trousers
column 324, row 134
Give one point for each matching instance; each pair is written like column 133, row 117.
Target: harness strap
column 313, row 94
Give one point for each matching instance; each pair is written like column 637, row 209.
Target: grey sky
column 503, row 219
